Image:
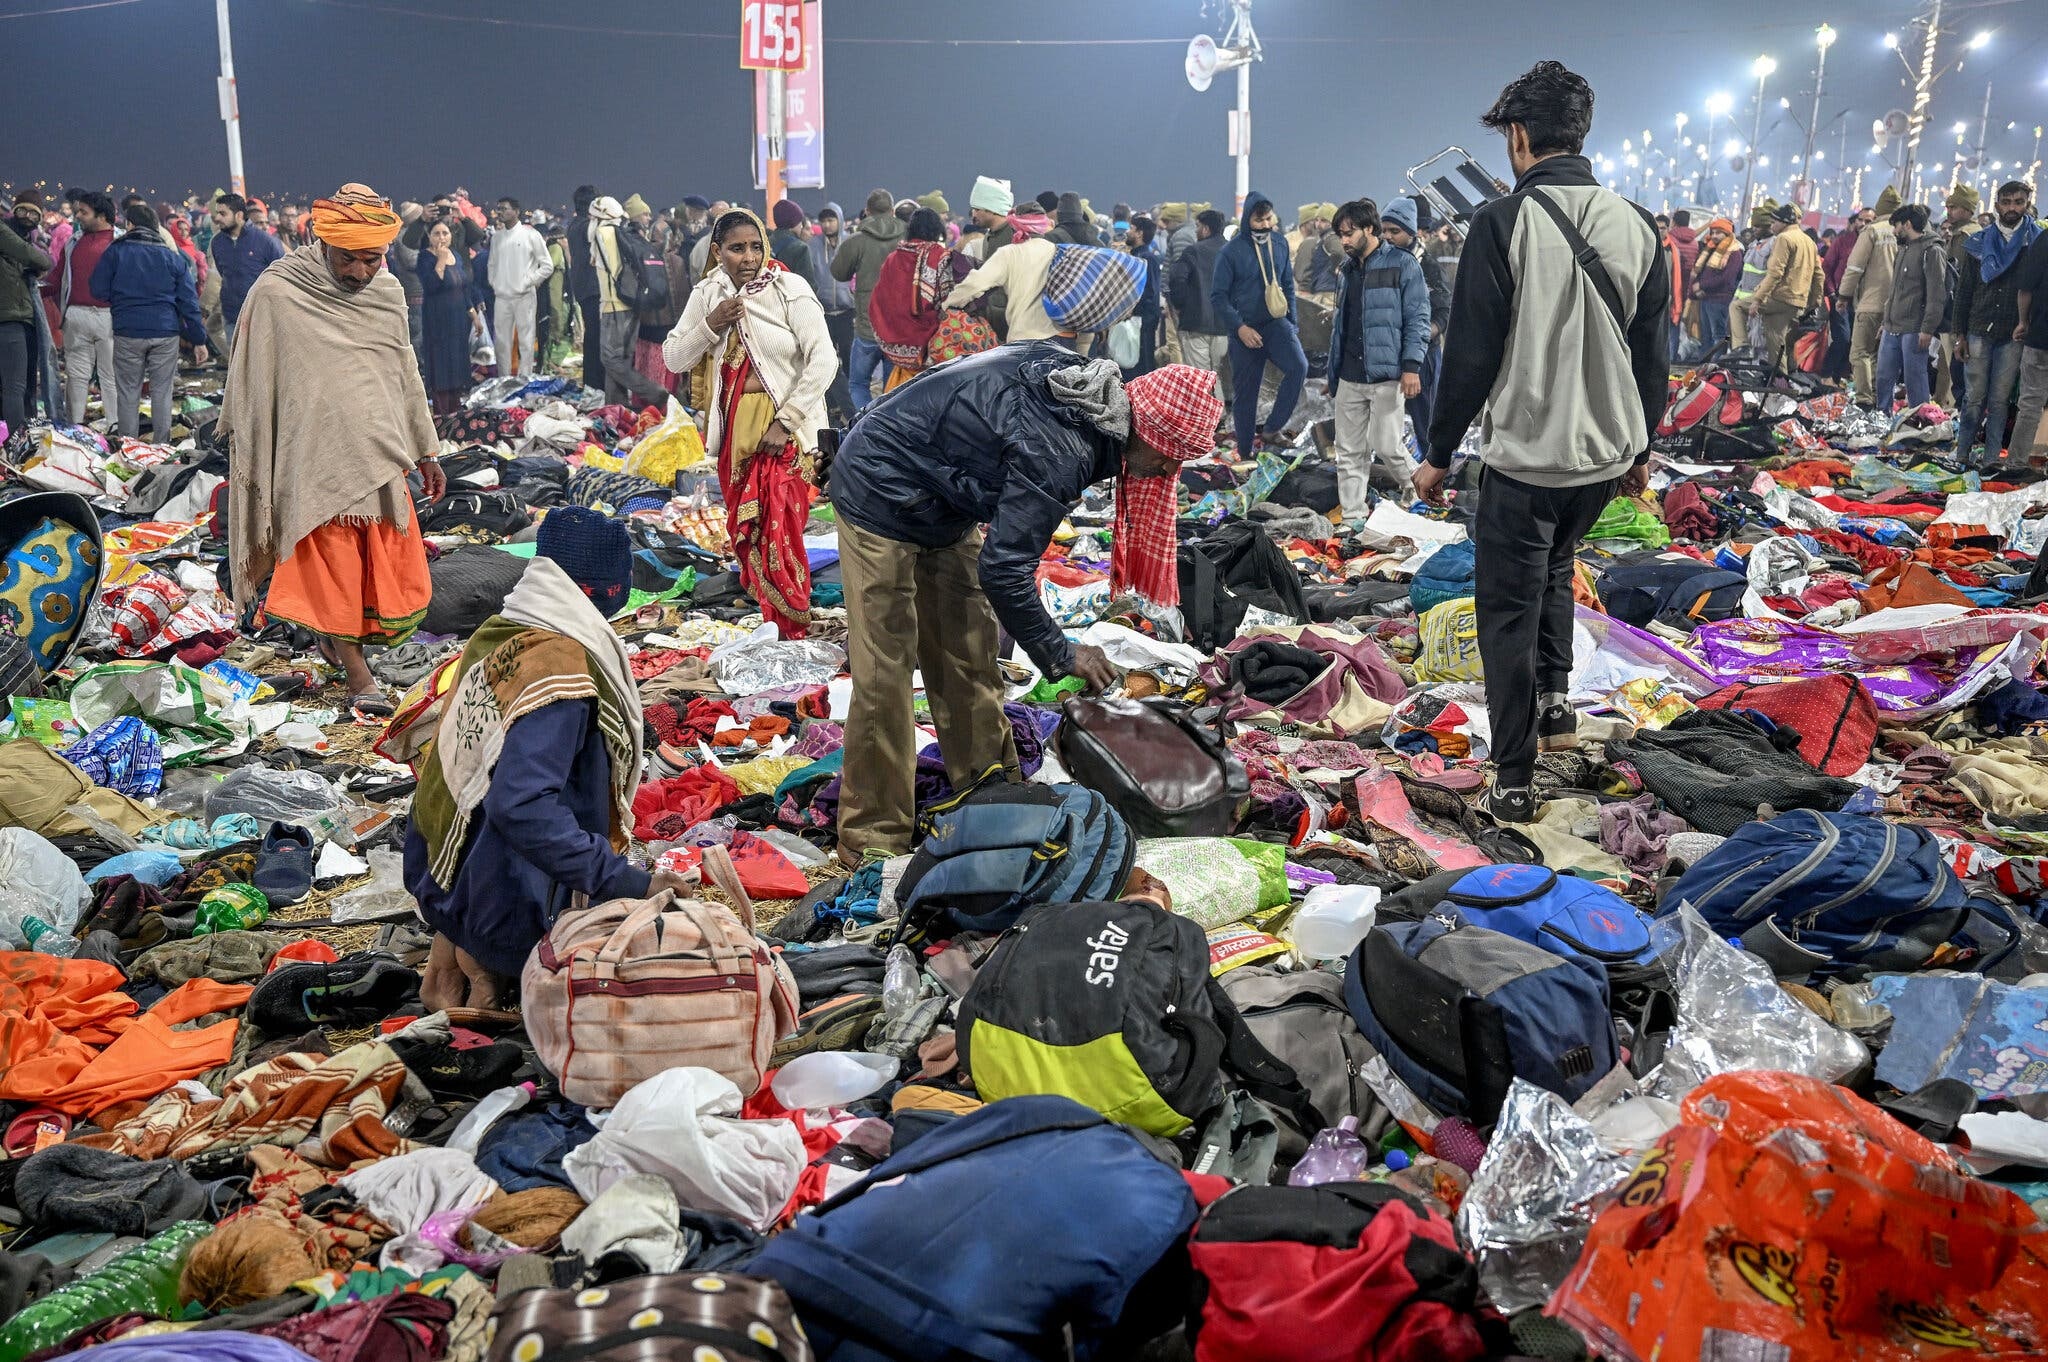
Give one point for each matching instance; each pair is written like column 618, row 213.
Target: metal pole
column 1244, row 135
column 1756, row 130
column 1707, row 185
column 230, row 105
column 1820, row 75
column 1923, row 92
column 778, row 138
column 2034, row 167
column 1983, row 125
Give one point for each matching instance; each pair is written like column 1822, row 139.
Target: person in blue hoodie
column 148, row 285
column 1379, row 334
column 1253, row 297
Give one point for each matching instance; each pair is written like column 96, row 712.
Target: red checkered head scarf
column 1174, row 410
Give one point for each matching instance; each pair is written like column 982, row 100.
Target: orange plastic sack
column 1784, row 1218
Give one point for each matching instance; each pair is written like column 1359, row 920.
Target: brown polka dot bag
column 668, row 1317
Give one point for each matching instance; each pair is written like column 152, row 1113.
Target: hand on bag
column 1927, row 339
column 1250, row 338
column 726, row 313
column 670, row 880
column 1411, row 385
column 1636, row 481
column 433, row 481
column 1428, row 481
column 1094, row 668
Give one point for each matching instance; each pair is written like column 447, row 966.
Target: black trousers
column 593, row 344
column 17, row 347
column 1524, row 539
column 839, row 397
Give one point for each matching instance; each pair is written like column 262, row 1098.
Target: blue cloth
column 1995, row 253
column 1237, row 294
column 982, row 440
column 1148, row 301
column 156, row 868
column 1380, row 329
column 860, row 371
column 541, row 835
column 122, row 754
column 215, row 1345
column 1282, row 349
column 148, row 286
column 444, row 324
column 525, row 1150
column 240, row 260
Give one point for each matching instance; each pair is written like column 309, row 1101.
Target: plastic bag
column 187, row 707
column 1627, row 518
column 669, row 448
column 1450, row 643
column 50, row 722
column 1216, row 881
column 750, row 668
column 1786, row 1218
column 1733, row 1015
column 683, row 1126
column 270, row 795
column 39, row 879
column 122, row 754
column 382, row 899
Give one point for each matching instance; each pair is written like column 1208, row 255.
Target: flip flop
column 371, row 708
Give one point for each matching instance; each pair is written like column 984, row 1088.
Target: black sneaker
column 1557, row 729
column 1509, row 806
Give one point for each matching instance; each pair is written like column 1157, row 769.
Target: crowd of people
column 897, row 566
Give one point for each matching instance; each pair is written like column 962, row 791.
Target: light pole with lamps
column 1761, row 69
column 1825, row 37
column 1717, row 104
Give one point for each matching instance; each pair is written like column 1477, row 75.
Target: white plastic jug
column 1333, row 919
column 831, row 1078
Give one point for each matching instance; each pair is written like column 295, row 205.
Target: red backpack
column 1834, row 716
column 1343, row 1272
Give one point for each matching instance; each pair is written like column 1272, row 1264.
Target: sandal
column 371, row 708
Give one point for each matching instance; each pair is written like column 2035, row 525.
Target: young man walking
column 1379, row 334
column 520, row 264
column 1558, row 328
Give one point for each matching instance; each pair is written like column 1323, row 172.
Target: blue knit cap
column 594, row 550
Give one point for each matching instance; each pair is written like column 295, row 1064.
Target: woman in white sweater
column 761, row 331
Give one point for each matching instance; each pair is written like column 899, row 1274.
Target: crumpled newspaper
column 1732, row 1015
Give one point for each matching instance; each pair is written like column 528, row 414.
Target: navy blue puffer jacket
column 1391, row 333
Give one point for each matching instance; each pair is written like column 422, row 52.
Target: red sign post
column 772, row 36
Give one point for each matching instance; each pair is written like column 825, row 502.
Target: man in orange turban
column 327, row 417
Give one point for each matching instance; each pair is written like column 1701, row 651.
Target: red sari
column 767, row 501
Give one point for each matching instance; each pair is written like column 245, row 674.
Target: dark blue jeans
column 1282, row 350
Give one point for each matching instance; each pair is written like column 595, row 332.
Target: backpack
column 1833, row 714
column 1715, row 768
column 1091, row 288
column 1229, row 569
column 470, row 582
column 1112, row 1004
column 1681, row 590
column 994, row 851
column 1817, row 893
column 1009, row 1234
column 493, row 512
column 1459, row 1012
column 642, row 275
column 674, row 1314
column 1299, row 1016
column 1563, row 914
column 1448, row 574
column 617, row 992
column 1334, row 1273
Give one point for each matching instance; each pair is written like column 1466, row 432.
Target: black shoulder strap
column 1265, row 1075
column 1588, row 258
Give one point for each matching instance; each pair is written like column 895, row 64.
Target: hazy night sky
column 414, row 96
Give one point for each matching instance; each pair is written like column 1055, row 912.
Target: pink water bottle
column 1336, row 1154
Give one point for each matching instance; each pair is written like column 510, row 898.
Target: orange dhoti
column 356, row 581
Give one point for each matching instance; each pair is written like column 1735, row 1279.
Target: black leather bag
column 1157, row 766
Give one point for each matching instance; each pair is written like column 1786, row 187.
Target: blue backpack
column 998, row 849
column 1459, row 1012
column 1561, row 913
column 1447, row 575
column 990, row 1238
column 1825, row 893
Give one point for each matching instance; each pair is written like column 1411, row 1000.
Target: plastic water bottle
column 1333, row 919
column 18, row 922
column 1337, row 1154
column 145, row 1278
column 832, row 1078
column 469, row 1132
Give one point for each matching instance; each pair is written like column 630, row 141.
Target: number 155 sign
column 772, row 36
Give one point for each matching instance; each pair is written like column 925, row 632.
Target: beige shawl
column 325, row 408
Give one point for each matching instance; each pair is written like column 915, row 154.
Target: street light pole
column 230, row 104
column 1923, row 93
column 1825, row 36
column 1762, row 71
column 1983, row 126
column 777, row 172
column 1717, row 104
column 1243, row 43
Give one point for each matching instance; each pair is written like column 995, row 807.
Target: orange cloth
column 360, row 582
column 70, row 1040
column 1908, row 583
column 357, row 218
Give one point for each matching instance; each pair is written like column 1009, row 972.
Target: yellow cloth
column 357, row 218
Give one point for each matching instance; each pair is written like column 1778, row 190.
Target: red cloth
column 1686, row 513
column 910, row 298
column 664, row 810
column 767, row 504
column 1144, row 557
column 1175, row 409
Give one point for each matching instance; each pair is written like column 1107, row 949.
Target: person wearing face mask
column 21, row 260
column 1252, row 294
column 1986, row 322
column 326, row 417
column 761, row 327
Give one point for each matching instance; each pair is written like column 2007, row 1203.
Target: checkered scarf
column 1144, row 558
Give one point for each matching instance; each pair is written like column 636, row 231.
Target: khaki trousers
column 1777, row 319
column 1863, row 351
column 911, row 608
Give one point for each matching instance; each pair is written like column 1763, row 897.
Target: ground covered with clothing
column 1236, row 1030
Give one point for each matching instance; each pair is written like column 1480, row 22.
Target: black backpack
column 1224, row 572
column 643, row 274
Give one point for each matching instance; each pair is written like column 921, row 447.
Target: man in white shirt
column 520, row 264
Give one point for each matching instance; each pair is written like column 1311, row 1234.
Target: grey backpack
column 1300, row 1016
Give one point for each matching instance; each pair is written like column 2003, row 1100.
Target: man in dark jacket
column 20, row 261
column 1203, row 337
column 1261, row 326
column 837, row 300
column 1378, row 336
column 241, row 251
column 1010, row 439
column 1567, row 359
column 1986, row 319
column 1139, row 241
column 584, row 289
column 858, row 261
column 789, row 242
column 1398, row 227
column 1071, row 224
column 147, row 282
